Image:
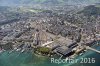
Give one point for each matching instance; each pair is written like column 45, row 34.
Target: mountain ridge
column 14, row 2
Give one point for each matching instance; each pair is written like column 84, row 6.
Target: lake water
column 29, row 59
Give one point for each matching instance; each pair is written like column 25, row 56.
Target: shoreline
column 87, row 53
column 71, row 56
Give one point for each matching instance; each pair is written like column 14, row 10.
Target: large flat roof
column 64, row 50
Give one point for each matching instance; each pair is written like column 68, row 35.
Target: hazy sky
column 13, row 2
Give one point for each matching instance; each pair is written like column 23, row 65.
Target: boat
column 18, row 49
column 85, row 50
column 1, row 51
column 23, row 50
column 11, row 51
column 81, row 54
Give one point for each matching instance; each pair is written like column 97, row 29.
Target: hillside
column 91, row 10
column 27, row 2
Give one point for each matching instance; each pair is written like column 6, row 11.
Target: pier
column 87, row 47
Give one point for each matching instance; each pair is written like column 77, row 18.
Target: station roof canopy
column 64, row 50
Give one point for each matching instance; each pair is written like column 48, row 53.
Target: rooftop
column 64, row 50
